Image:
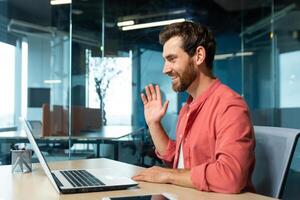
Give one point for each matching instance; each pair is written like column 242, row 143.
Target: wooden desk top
column 36, row 186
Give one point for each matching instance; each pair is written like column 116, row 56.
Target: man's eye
column 172, row 60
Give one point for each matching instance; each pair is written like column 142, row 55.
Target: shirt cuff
column 170, row 152
column 198, row 177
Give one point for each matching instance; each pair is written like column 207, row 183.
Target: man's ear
column 200, row 55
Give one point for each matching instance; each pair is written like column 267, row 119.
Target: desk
column 106, row 135
column 36, row 186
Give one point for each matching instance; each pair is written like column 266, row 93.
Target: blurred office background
column 70, row 62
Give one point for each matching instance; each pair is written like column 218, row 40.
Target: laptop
column 35, row 127
column 79, row 180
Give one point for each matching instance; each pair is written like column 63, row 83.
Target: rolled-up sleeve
column 234, row 153
column 169, row 155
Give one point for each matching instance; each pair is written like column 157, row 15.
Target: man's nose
column 167, row 68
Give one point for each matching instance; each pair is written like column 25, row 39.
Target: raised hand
column 154, row 110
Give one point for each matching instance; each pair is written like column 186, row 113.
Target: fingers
column 151, row 93
column 138, row 178
column 145, row 175
column 152, row 174
column 165, row 107
column 144, row 99
column 148, row 93
column 158, row 95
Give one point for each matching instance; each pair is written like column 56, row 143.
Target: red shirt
column 218, row 142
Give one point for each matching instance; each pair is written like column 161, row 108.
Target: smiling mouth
column 174, row 78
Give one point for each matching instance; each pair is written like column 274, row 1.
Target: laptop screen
column 37, row 151
column 36, row 127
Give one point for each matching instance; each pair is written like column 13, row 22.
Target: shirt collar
column 194, row 103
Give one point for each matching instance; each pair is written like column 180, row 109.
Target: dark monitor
column 38, row 96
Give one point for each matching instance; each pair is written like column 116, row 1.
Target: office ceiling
column 221, row 15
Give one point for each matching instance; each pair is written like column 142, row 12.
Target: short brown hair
column 192, row 35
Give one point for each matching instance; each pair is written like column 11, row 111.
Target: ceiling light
column 125, row 23
column 223, row 56
column 52, row 81
column 231, row 55
column 77, row 12
column 59, row 2
column 152, row 24
column 247, row 53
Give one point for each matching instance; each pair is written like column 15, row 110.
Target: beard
column 185, row 78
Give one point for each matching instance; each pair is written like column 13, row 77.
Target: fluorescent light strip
column 125, row 23
column 52, row 81
column 230, row 55
column 248, row 53
column 59, row 2
column 223, row 56
column 152, row 24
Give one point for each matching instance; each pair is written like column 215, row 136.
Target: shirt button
column 180, row 136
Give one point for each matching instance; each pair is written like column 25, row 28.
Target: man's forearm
column 159, row 137
column 180, row 177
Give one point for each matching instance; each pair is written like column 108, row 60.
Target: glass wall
column 34, row 68
column 270, row 73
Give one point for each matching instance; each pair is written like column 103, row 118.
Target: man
column 214, row 148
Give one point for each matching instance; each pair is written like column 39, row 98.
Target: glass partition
column 270, row 73
column 286, row 51
column 270, row 70
column 35, row 63
column 258, row 69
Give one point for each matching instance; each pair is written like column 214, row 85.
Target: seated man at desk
column 214, row 147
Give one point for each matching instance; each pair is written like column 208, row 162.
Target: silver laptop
column 79, row 180
column 35, row 127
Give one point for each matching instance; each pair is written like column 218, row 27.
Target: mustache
column 172, row 74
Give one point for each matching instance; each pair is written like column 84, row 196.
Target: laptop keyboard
column 81, row 178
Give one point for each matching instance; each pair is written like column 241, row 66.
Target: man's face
column 178, row 65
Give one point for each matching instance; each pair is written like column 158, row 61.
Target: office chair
column 274, row 152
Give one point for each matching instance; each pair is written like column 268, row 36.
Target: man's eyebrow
column 170, row 56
